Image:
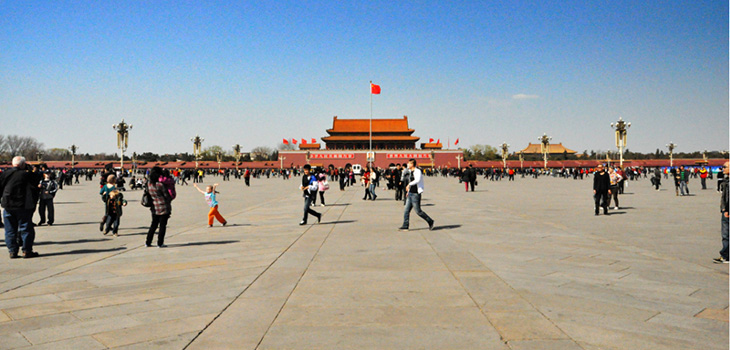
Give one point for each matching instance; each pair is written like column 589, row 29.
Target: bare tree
column 261, row 153
column 23, row 145
column 286, row 147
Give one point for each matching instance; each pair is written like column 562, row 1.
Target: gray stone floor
column 514, row 265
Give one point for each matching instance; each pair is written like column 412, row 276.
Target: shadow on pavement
column 445, row 227
column 189, row 244
column 337, row 222
column 61, row 203
column 82, row 251
column 338, row 205
column 72, row 242
column 76, row 223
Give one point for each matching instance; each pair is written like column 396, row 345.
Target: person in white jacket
column 413, row 200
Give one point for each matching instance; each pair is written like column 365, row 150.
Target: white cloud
column 524, row 97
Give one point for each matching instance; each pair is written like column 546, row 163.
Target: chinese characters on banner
column 408, row 155
column 333, row 156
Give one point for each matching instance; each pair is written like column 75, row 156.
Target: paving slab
column 514, row 265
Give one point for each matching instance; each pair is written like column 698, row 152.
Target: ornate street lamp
column 73, row 149
column 39, row 156
column 505, row 149
column 197, row 146
column 134, row 162
column 545, row 147
column 621, row 127
column 237, row 154
column 671, row 146
column 458, row 161
column 219, row 157
column 704, row 156
column 122, row 139
column 281, row 166
column 608, row 158
column 522, row 158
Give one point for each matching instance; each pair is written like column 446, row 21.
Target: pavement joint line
column 283, row 305
column 468, row 251
column 127, row 247
column 655, row 315
column 237, row 297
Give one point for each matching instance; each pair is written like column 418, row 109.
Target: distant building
column 554, row 148
column 354, row 134
column 349, row 143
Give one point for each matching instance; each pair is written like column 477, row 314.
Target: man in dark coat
column 19, row 191
column 601, row 188
column 472, row 176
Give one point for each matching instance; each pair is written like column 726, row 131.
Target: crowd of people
column 25, row 189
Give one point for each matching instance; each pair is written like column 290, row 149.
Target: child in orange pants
column 213, row 203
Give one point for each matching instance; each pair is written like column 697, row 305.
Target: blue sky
column 253, row 73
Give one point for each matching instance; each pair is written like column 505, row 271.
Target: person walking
column 415, row 190
column 322, row 185
column 374, row 177
column 366, row 182
column 723, row 259
column 601, row 189
column 48, row 189
column 472, row 177
column 683, row 176
column 657, row 179
column 19, row 194
column 616, row 179
column 703, row 177
column 114, row 204
column 465, row 178
column 309, row 191
column 161, row 208
column 111, row 181
column 397, row 184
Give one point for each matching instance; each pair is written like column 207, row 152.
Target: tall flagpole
column 371, row 117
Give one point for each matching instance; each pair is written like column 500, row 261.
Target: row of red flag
column 294, row 141
column 304, row 141
column 439, row 141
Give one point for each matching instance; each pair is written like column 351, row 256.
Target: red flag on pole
column 430, row 140
column 438, row 141
column 456, row 142
column 314, row 141
column 286, row 142
column 294, row 141
column 304, row 142
column 374, row 89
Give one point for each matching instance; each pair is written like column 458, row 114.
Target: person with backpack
column 161, row 208
column 114, row 203
column 19, row 193
column 309, row 188
column 110, row 186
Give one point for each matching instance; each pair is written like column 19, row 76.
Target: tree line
column 30, row 148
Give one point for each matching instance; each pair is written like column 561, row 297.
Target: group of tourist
column 23, row 187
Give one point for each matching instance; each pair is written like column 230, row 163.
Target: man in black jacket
column 472, row 176
column 601, row 188
column 309, row 194
column 723, row 259
column 19, row 191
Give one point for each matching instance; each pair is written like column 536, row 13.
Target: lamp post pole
column 458, row 161
column 197, row 144
column 621, row 127
column 237, row 154
column 505, row 149
column 671, row 146
column 281, row 164
column 39, row 156
column 73, row 149
column 522, row 159
column 545, row 147
column 219, row 157
column 122, row 139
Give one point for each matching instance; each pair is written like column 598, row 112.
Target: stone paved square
column 514, row 265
